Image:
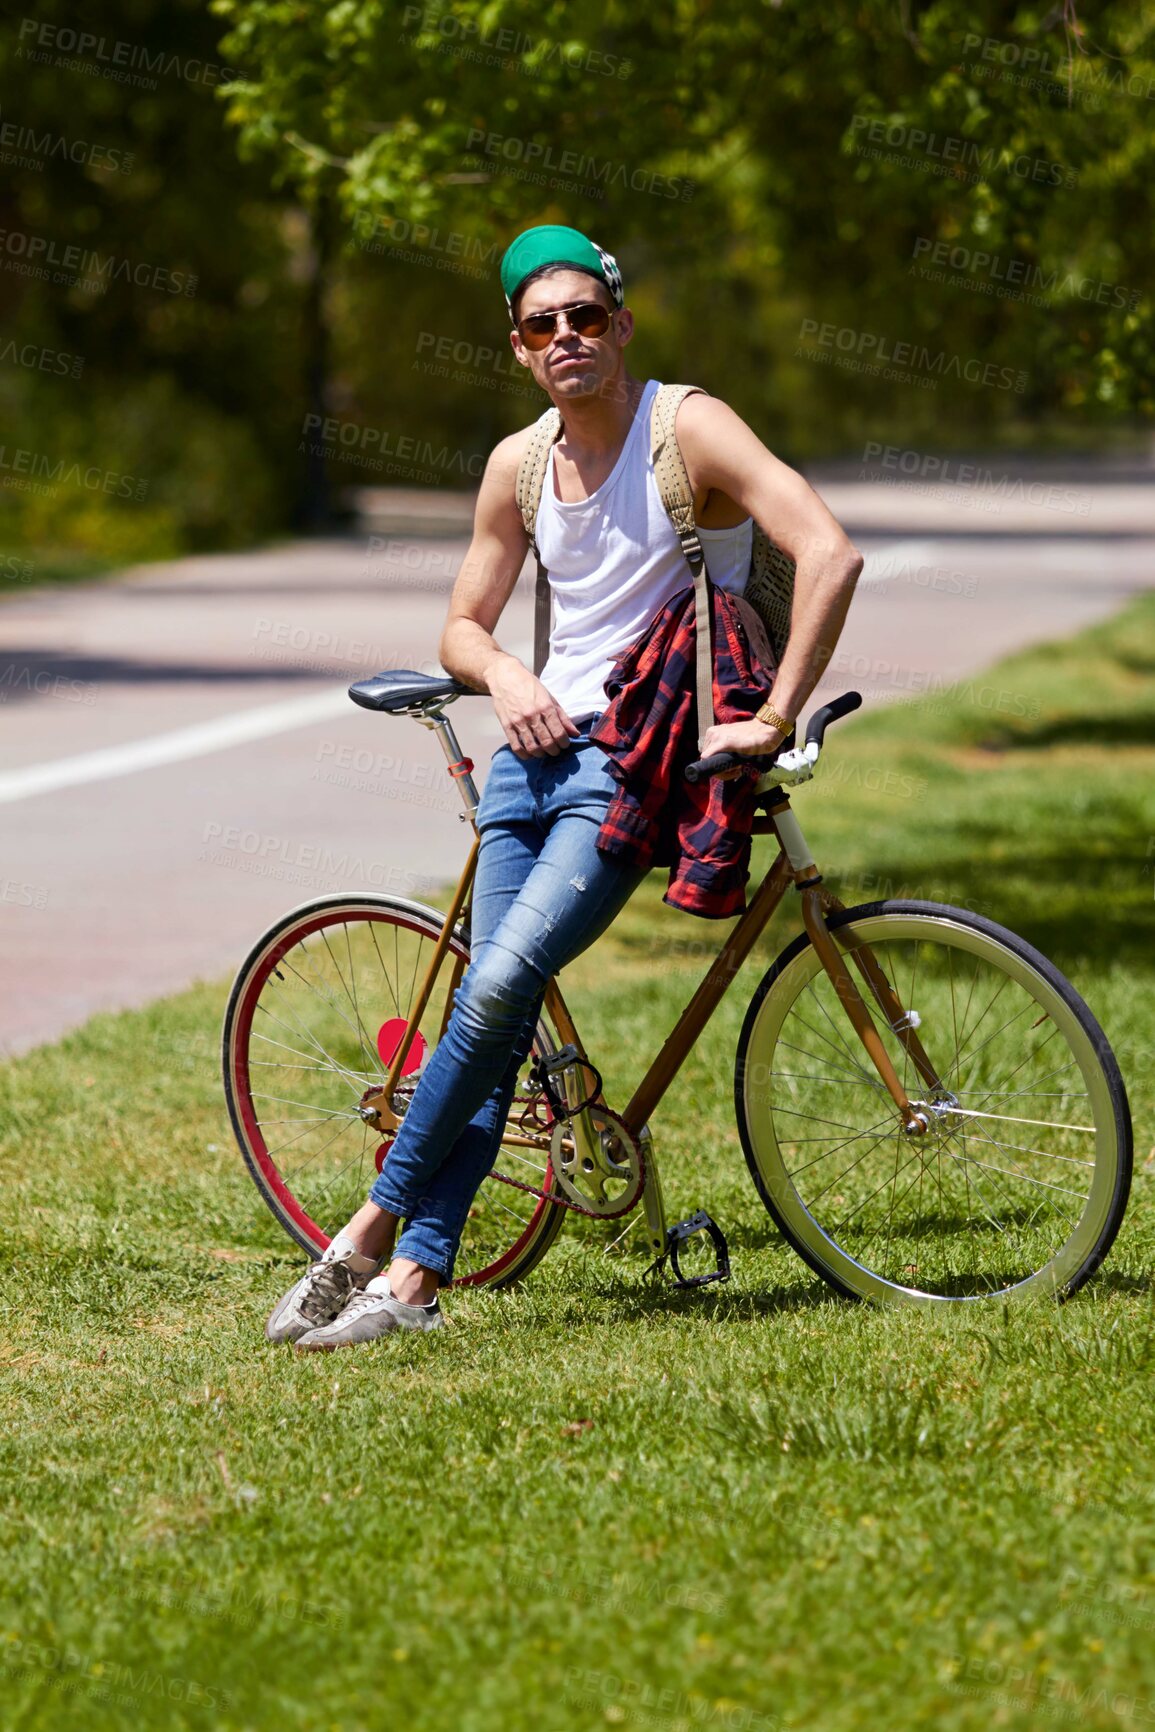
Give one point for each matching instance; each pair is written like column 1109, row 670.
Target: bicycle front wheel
column 316, row 1013
column 1020, row 1182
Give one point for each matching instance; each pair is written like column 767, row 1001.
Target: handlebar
column 815, row 735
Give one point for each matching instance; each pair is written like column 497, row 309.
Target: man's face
column 569, row 365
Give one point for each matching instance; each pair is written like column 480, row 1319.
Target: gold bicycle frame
column 793, row 864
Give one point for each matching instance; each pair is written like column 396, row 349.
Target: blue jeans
column 543, row 893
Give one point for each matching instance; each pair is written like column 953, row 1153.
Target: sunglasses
column 586, row 319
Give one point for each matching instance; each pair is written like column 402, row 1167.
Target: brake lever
column 791, row 768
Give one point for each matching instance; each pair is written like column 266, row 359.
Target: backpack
column 769, row 585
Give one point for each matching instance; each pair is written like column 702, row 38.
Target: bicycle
column 908, row 1148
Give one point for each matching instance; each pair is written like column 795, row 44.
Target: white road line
column 216, row 736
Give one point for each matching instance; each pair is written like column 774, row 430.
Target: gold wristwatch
column 770, row 716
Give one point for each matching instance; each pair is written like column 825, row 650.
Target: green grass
column 591, row 1502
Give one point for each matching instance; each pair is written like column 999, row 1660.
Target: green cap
column 554, row 244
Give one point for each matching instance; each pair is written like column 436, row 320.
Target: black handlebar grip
column 831, row 712
column 815, row 732
column 703, row 767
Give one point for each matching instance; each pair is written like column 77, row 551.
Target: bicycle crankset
column 596, row 1163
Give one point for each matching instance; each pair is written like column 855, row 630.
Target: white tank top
column 613, row 561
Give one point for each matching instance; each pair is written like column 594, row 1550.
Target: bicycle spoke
column 855, row 1061
column 1017, row 1172
column 1045, row 1124
column 882, row 1127
column 284, row 1101
column 997, row 1188
column 816, row 1119
column 1026, row 1010
column 312, row 1021
column 385, row 975
column 840, row 1177
column 792, row 1046
column 858, row 1207
column 836, row 1081
column 332, row 1064
column 329, row 999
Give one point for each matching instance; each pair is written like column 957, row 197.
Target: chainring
column 583, row 1183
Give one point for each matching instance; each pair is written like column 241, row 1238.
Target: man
column 543, row 890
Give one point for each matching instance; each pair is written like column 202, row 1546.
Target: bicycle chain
column 557, row 1197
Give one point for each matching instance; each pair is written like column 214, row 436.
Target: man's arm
column 534, row 724
column 722, row 452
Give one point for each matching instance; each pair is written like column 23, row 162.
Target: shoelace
column 329, row 1287
column 365, row 1302
column 361, row 1302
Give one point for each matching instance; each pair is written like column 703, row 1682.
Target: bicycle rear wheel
column 316, row 1012
column 1020, row 1183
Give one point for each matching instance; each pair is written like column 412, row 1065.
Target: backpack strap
column 678, row 499
column 528, row 488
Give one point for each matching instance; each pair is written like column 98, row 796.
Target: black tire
column 950, row 1262
column 324, row 1086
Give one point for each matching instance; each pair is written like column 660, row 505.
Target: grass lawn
column 591, row 1502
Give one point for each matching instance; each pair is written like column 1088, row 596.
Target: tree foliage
column 797, row 196
column 821, row 158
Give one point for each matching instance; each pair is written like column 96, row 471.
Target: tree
column 763, row 171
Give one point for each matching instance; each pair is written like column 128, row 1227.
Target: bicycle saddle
column 398, row 688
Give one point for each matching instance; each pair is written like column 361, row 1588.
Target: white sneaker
column 322, row 1292
column 369, row 1315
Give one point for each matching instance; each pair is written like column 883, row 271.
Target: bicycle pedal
column 567, row 1059
column 678, row 1234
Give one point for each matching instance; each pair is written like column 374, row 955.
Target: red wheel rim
column 242, row 1090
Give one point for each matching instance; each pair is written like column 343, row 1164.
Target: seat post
column 460, row 768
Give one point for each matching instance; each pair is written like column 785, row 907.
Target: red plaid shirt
column 700, row 830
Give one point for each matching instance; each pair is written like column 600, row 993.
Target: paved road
column 178, row 762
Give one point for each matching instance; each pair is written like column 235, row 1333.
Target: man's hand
column 752, row 739
column 534, row 724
